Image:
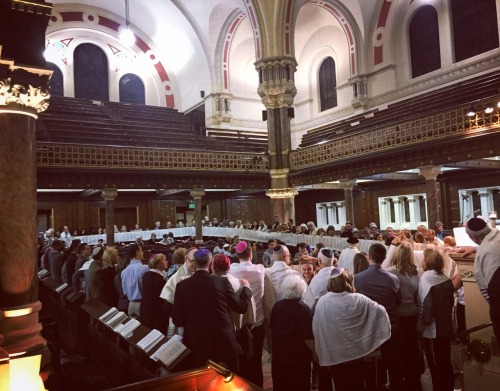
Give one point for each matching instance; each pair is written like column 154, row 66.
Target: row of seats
column 454, row 95
column 81, row 121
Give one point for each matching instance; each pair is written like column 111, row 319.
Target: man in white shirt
column 320, row 280
column 66, row 236
column 251, row 367
column 346, row 259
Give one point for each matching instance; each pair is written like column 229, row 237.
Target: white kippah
column 323, row 258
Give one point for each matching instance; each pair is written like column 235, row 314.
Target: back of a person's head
column 179, row 255
column 202, row 258
column 360, row 262
column 434, row 260
column 74, row 244
column 293, row 286
column 81, row 247
column 326, row 255
column 242, row 250
column 404, row 260
column 377, row 253
column 132, row 250
column 450, row 241
column 340, row 281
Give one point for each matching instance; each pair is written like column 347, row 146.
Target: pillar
column 348, row 186
column 197, row 195
column 486, row 197
column 277, row 89
column 433, row 191
column 23, row 95
column 331, row 209
column 109, row 196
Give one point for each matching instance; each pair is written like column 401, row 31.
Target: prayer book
column 62, row 287
column 170, row 351
column 150, row 340
column 115, row 320
column 126, row 330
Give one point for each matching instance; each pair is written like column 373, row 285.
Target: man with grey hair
column 487, row 266
column 274, row 277
column 320, row 280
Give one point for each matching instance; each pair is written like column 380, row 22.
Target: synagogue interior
column 126, row 121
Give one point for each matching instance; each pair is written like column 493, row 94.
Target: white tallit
column 348, row 326
column 429, row 279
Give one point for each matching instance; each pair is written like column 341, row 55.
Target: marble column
column 23, row 95
column 348, row 186
column 282, row 203
column 109, row 196
column 433, row 190
column 197, row 195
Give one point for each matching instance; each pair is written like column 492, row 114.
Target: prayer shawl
column 168, row 291
column 240, row 320
column 348, row 326
column 487, row 261
column 429, row 279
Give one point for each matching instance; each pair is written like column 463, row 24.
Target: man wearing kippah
column 251, row 364
column 201, row 306
column 487, row 266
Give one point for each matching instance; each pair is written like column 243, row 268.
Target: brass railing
column 109, row 157
column 447, row 124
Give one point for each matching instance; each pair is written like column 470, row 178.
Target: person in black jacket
column 153, row 314
column 201, row 306
column 436, row 323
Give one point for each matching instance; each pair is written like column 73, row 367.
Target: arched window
column 56, row 86
column 475, row 27
column 91, row 73
column 424, row 42
column 327, row 84
column 132, row 89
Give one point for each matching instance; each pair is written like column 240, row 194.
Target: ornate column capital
column 430, row 172
column 282, row 193
column 197, row 194
column 276, row 81
column 23, row 89
column 109, row 194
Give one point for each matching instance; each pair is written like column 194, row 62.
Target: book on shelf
column 116, row 320
column 171, row 351
column 126, row 330
column 108, row 314
column 43, row 273
column 150, row 340
column 62, row 287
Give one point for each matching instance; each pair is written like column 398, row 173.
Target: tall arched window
column 475, row 27
column 91, row 73
column 132, row 89
column 56, row 85
column 424, row 42
column 327, row 84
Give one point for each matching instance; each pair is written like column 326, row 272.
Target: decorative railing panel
column 87, row 156
column 447, row 124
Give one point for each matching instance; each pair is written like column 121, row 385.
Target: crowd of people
column 350, row 319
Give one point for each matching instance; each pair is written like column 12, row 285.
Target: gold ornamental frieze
column 87, row 156
column 450, row 124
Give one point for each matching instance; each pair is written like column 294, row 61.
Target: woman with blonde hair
column 347, row 326
column 102, row 275
column 153, row 312
column 405, row 270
